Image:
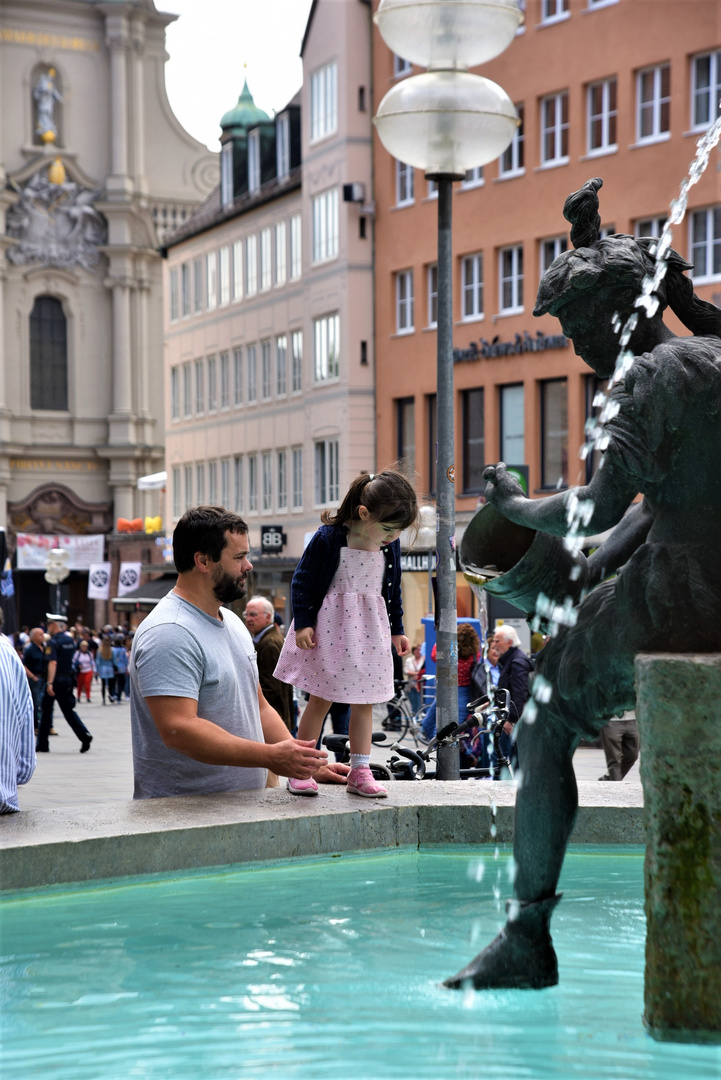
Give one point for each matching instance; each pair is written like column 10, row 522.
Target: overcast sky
column 210, row 43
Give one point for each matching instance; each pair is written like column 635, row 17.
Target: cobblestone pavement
column 65, row 777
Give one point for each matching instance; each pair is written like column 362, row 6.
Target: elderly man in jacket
column 259, row 618
column 514, row 667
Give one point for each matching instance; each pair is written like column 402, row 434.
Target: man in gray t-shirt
column 200, row 722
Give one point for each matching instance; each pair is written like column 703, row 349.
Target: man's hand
column 296, row 757
column 508, row 727
column 49, row 689
column 402, row 644
column 305, row 638
column 502, row 489
column 335, row 772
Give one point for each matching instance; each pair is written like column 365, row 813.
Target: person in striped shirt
column 17, row 734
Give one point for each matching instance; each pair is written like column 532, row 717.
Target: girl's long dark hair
column 388, row 496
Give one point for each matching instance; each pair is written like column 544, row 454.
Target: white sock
column 356, row 760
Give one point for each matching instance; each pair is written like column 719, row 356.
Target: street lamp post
column 446, row 121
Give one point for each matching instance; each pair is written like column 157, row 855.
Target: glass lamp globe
column 448, row 33
column 446, row 122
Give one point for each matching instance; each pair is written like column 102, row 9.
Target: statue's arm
column 607, row 498
column 628, row 535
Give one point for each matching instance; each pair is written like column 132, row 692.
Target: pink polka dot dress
column 352, row 659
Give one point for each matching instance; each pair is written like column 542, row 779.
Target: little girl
column 346, row 595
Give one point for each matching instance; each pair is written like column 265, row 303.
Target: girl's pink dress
column 352, row 660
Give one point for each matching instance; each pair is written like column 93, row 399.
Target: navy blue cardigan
column 318, row 564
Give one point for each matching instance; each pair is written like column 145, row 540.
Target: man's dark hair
column 203, row 528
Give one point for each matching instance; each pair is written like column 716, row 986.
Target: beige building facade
column 269, row 316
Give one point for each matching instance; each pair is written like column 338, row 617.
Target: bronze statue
column 655, row 585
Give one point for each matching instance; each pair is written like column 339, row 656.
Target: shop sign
column 272, row 539
column 522, row 343
column 416, row 562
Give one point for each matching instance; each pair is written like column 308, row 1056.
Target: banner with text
column 34, row 548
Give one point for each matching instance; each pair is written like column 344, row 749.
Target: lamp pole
column 446, row 121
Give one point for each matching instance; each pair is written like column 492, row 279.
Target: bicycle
column 402, row 719
column 408, row 764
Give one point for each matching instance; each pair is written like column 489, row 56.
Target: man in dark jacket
column 515, row 667
column 268, row 640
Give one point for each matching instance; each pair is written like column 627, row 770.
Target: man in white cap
column 60, row 684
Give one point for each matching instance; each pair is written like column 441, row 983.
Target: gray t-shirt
column 179, row 651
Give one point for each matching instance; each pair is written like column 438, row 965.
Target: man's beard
column 227, row 588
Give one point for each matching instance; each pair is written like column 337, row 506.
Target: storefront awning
column 146, row 596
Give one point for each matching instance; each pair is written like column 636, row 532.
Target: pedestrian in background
column 60, row 682
column 105, row 667
column 268, row 642
column 120, row 659
column 35, row 662
column 84, row 666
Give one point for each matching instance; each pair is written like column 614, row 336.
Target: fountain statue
column 653, row 586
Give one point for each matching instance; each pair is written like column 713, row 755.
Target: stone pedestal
column 679, row 718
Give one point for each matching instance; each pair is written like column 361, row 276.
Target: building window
column 324, row 102
column 225, row 482
column 281, row 365
column 473, row 178
column 176, row 492
column 238, row 270
column 225, row 380
column 238, row 485
column 187, row 486
column 281, row 270
column 512, row 418
column 251, row 269
column 213, row 483
column 187, row 390
column 266, row 260
column 326, row 472
column 653, row 92
column 602, row 114
column 606, row 230
column 652, row 226
column 406, row 428
column 253, row 161
column 265, row 378
column 706, row 243
column 185, row 288
column 431, row 414
column 296, row 349
column 281, row 464
column 554, row 129
column 211, row 291
column 474, row 444
column 705, row 89
column 49, row 356
column 297, row 455
column 326, row 347
column 252, row 483
column 472, row 286
column 404, row 302
column 296, row 265
column 237, row 377
column 551, row 249
column 511, row 160
column 200, row 483
column 174, row 393
column 554, row 433
column 282, row 146
column 224, row 275
column 267, row 466
column 554, row 10
column 212, row 385
column 199, row 387
column 252, row 375
column 404, row 184
column 198, row 285
column 325, row 226
column 433, row 295
column 432, row 189
column 226, row 175
column 401, row 66
column 174, row 295
column 510, row 272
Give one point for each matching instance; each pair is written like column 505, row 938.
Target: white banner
column 99, row 581
column 34, row 548
column 128, row 578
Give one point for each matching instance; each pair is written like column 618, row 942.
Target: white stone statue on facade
column 46, row 94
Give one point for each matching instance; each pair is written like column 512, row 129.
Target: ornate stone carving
column 55, row 224
column 54, row 508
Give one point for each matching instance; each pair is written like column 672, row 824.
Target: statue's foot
column 522, row 957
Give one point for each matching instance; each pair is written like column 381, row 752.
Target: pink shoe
column 362, row 782
column 302, row 787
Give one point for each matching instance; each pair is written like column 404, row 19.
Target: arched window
column 48, row 355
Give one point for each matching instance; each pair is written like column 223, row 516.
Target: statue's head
column 586, row 286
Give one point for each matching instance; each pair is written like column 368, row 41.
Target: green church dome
column 246, row 113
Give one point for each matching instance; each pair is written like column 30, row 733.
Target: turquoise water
column 328, row 968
